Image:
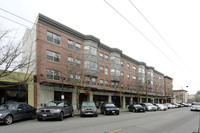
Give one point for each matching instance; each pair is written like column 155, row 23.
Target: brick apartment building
column 67, row 59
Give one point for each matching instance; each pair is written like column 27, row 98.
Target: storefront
column 10, row 93
column 99, row 100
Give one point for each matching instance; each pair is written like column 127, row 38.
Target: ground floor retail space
column 47, row 93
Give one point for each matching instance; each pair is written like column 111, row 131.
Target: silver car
column 195, row 107
column 88, row 108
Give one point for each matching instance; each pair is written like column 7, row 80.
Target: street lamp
column 62, row 96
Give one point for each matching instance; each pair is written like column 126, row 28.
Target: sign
column 163, row 98
column 62, row 97
column 117, row 94
column 87, row 93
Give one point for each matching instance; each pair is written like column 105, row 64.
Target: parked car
column 149, row 106
column 187, row 105
column 109, row 108
column 136, row 108
column 169, row 105
column 55, row 110
column 161, row 107
column 195, row 106
column 16, row 111
column 88, row 108
column 176, row 105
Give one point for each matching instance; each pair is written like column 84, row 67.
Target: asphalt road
column 172, row 121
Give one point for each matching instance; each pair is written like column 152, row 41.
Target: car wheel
column 39, row 119
column 104, row 112
column 72, row 114
column 8, row 120
column 117, row 113
column 96, row 115
column 61, row 116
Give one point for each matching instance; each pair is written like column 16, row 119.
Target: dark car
column 55, row 110
column 88, row 108
column 15, row 112
column 136, row 108
column 109, row 108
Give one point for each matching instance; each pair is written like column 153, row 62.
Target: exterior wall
column 180, row 96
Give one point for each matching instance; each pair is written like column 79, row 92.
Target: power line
column 157, row 32
column 139, row 32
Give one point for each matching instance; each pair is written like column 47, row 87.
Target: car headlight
column 82, row 110
column 1, row 115
column 117, row 108
column 55, row 110
column 95, row 109
column 108, row 109
column 38, row 111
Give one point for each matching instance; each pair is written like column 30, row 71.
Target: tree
column 75, row 74
column 11, row 59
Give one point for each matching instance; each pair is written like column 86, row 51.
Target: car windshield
column 137, row 106
column 109, row 105
column 52, row 104
column 195, row 103
column 9, row 106
column 88, row 104
column 148, row 104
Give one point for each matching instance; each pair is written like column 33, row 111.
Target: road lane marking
column 115, row 130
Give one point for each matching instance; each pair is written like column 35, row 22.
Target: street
column 180, row 120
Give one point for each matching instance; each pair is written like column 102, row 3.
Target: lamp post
column 62, row 96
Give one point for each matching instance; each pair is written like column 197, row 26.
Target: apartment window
column 128, row 76
column 51, row 37
column 122, row 64
column 53, row 56
column 70, row 76
column 86, row 47
column 117, row 73
column 101, row 82
column 78, row 63
column 112, row 72
column 122, row 86
column 106, row 83
column 93, row 51
column 93, row 81
column 128, row 87
column 116, row 85
column 78, row 77
column 101, row 56
column 134, row 78
column 101, row 69
column 78, row 47
column 122, row 74
column 115, row 59
column 70, row 61
column 87, row 80
column 128, row 66
column 113, row 84
column 106, row 71
column 106, row 57
column 93, row 66
column 133, row 68
column 70, row 44
column 86, row 64
column 53, row 74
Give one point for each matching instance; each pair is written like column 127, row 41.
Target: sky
column 177, row 21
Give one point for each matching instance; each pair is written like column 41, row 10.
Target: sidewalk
column 77, row 113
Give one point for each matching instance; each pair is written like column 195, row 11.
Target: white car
column 195, row 107
column 169, row 105
column 161, row 107
column 149, row 106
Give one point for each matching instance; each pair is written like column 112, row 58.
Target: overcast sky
column 176, row 20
